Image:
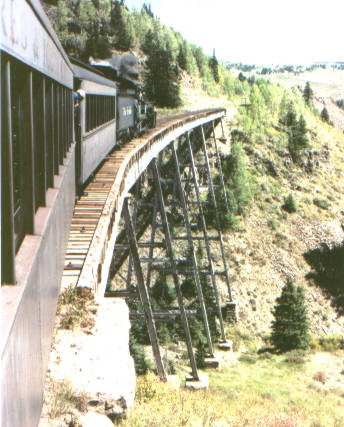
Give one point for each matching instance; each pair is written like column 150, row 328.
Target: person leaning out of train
column 79, row 95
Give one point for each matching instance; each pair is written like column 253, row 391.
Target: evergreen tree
column 98, row 44
column 148, row 9
column 308, row 93
column 241, row 77
column 298, row 140
column 290, row 328
column 201, row 61
column 182, row 58
column 124, row 37
column 210, row 304
column 214, row 66
column 138, row 354
column 290, row 204
column 325, row 117
column 148, row 44
column 161, row 79
column 290, row 118
column 238, row 179
column 200, row 353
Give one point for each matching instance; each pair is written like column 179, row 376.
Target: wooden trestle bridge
column 146, row 184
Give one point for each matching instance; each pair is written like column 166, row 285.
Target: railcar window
column 40, row 139
column 40, row 130
column 99, row 110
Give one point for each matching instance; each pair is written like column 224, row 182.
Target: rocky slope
column 269, row 245
column 272, row 244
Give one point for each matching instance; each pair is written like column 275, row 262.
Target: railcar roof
column 86, row 72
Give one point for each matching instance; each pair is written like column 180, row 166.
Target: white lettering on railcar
column 127, row 111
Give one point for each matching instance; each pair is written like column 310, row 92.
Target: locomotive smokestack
column 128, row 67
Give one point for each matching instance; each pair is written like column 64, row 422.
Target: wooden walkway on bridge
column 105, row 190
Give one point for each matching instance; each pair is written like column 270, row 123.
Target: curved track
column 96, row 214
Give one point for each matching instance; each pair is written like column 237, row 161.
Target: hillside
column 271, row 244
column 266, row 246
column 265, row 243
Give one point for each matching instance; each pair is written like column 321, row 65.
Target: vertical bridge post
column 211, row 187
column 206, row 237
column 169, row 250
column 147, row 309
column 193, row 256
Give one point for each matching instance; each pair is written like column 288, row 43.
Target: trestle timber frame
column 185, row 196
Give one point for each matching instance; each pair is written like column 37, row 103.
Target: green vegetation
column 251, row 389
column 65, row 400
column 137, row 352
column 290, row 204
column 290, row 328
column 308, row 93
column 161, row 78
column 327, row 272
column 200, row 353
column 321, row 203
column 72, row 308
column 325, row 117
column 90, row 28
column 298, row 140
column 238, row 187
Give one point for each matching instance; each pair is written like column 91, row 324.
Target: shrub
column 146, row 388
column 295, row 357
column 138, row 354
column 332, row 343
column 200, row 353
column 273, row 223
column 248, row 359
column 320, row 376
column 290, row 328
column 321, row 203
column 290, row 204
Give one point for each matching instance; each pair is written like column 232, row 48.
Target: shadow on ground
column 327, row 266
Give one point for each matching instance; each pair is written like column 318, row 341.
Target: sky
column 258, row 31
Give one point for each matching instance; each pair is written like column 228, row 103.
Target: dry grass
column 73, row 308
column 66, row 400
column 269, row 392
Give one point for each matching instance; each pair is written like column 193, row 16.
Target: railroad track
column 90, row 206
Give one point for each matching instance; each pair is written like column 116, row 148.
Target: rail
column 135, row 158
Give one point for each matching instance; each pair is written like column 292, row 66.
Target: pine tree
column 161, row 79
column 238, row 179
column 148, row 44
column 182, row 59
column 214, row 66
column 325, row 117
column 298, row 140
column 148, row 9
column 138, row 354
column 124, row 37
column 290, row 328
column 290, row 204
column 201, row 61
column 200, row 354
column 210, row 303
column 308, row 93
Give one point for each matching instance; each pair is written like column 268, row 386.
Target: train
column 113, row 110
column 109, row 109
column 60, row 118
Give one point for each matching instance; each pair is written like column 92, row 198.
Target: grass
column 72, row 308
column 275, row 391
column 66, row 400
